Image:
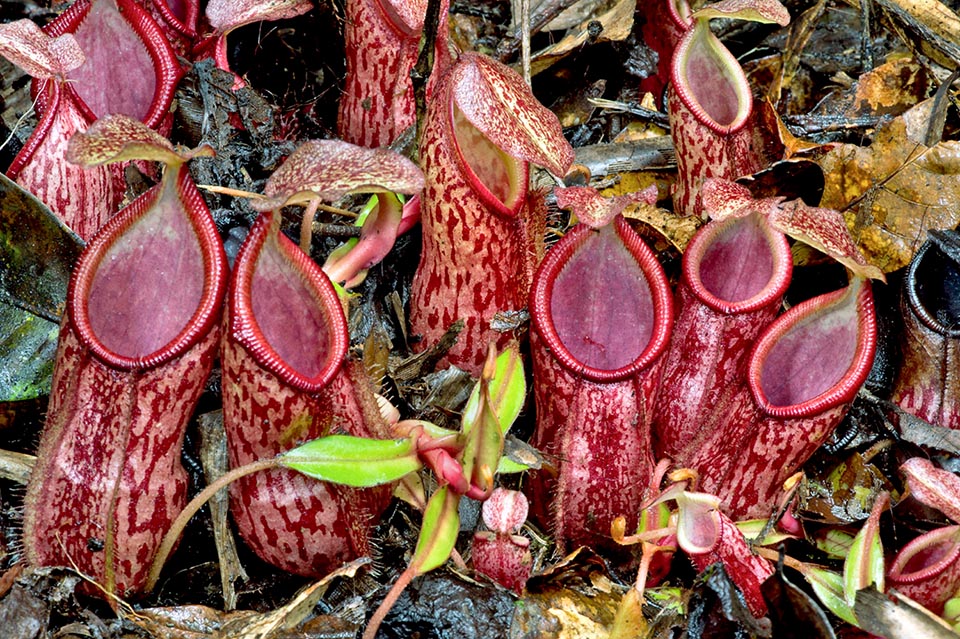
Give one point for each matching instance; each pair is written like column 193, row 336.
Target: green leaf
column 753, row 528
column 864, row 564
column 836, row 543
column 438, row 534
column 37, row 253
column 28, row 347
column 354, row 461
column 484, row 446
column 508, row 390
column 828, row 587
column 507, row 465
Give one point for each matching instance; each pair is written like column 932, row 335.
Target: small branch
column 544, row 13
column 525, row 39
column 420, row 74
column 774, row 556
column 226, row 190
column 866, row 47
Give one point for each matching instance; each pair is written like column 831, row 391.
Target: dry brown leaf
column 892, row 192
column 890, row 89
column 677, row 229
column 617, row 22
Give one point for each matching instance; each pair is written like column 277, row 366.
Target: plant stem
column 306, row 226
column 773, row 555
column 176, row 528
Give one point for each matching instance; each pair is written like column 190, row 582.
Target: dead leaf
column 201, row 622
column 213, row 456
column 892, row 192
column 890, row 89
column 843, row 495
column 617, row 22
column 677, row 229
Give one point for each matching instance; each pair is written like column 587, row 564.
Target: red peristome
column 664, row 24
column 130, row 68
column 286, row 381
column 149, row 236
column 803, row 373
column 594, row 386
column 928, row 381
column 84, row 199
column 381, row 48
column 735, row 273
column 928, row 568
column 177, row 18
column 710, row 108
column 108, row 480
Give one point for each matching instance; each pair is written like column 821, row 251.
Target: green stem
column 176, row 528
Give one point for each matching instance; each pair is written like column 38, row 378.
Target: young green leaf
column 508, row 388
column 484, row 445
column 828, row 587
column 354, row 461
column 507, row 465
column 864, row 564
column 438, row 533
column 836, row 543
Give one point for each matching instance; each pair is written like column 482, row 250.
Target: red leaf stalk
column 482, row 229
column 601, row 310
column 803, row 373
column 138, row 339
column 928, row 383
column 734, row 275
column 287, row 380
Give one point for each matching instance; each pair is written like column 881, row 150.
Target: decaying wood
column 620, row 157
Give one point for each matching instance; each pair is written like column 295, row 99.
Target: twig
column 525, row 39
column 866, row 48
column 650, row 115
column 420, row 73
column 539, row 17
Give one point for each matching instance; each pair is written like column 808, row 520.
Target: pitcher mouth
column 709, row 81
column 841, row 325
column 738, row 265
column 929, row 273
column 556, row 318
column 205, row 311
column 249, row 321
